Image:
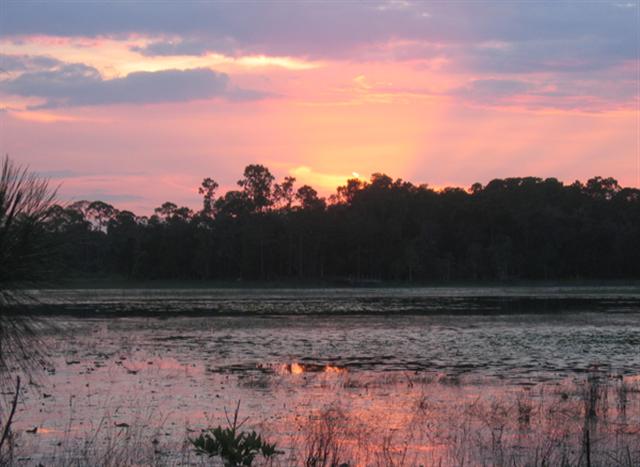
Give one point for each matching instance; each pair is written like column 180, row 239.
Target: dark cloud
column 10, row 63
column 493, row 89
column 81, row 85
column 56, row 174
column 112, row 197
column 567, row 94
column 580, row 55
column 187, row 47
column 546, row 34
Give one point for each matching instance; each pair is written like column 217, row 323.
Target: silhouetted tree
column 256, row 185
column 381, row 229
column 283, row 194
column 233, row 204
column 100, row 214
column 166, row 211
column 308, row 199
column 208, row 190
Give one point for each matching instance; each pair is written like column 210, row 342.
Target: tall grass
column 592, row 421
column 25, row 259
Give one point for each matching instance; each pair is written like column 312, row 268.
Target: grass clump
column 234, row 447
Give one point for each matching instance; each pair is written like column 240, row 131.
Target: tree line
column 377, row 230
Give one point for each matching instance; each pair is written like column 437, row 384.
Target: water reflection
column 300, row 368
column 398, row 389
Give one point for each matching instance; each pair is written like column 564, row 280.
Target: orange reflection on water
column 296, row 368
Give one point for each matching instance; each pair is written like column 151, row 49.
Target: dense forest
column 381, row 230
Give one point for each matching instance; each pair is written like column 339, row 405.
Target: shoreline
column 337, row 283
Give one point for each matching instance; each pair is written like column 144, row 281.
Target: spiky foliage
column 235, row 448
column 25, row 259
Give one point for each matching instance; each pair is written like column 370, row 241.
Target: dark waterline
column 338, row 301
column 521, row 334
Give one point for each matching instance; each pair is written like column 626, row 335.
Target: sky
column 135, row 102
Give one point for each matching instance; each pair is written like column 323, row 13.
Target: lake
column 398, row 376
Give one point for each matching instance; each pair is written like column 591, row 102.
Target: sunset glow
column 139, row 111
column 320, row 232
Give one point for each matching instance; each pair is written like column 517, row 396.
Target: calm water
column 173, row 360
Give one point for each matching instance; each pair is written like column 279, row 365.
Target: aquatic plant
column 234, row 447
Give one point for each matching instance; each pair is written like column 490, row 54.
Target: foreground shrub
column 234, row 447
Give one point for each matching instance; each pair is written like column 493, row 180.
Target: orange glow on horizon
column 322, row 121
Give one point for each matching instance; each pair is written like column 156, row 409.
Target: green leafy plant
column 234, row 447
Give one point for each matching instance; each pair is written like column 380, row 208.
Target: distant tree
column 603, row 188
column 165, row 211
column 62, row 219
column 208, row 190
column 381, row 181
column 283, row 194
column 124, row 232
column 512, row 228
column 100, row 213
column 183, row 214
column 81, row 207
column 476, row 188
column 233, row 204
column 346, row 194
column 308, row 198
column 257, row 186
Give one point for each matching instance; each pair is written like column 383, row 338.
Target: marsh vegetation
column 452, row 387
